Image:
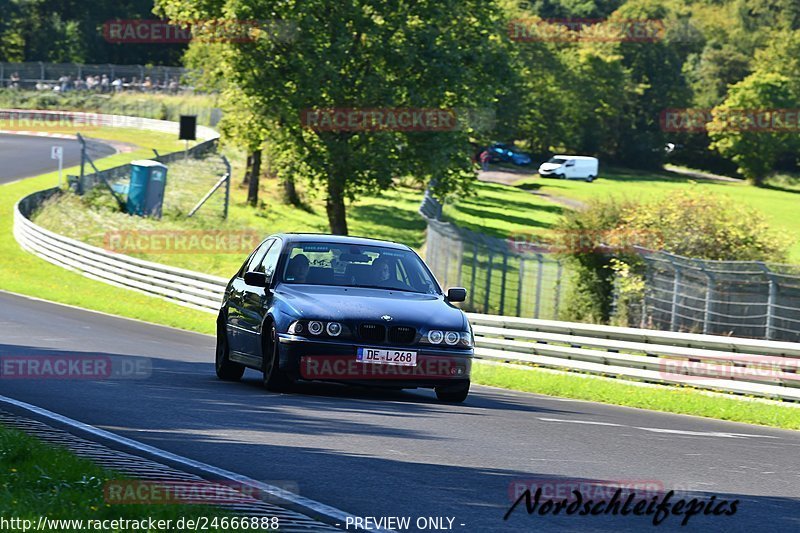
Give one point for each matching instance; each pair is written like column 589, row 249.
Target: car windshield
column 357, row 266
column 557, row 160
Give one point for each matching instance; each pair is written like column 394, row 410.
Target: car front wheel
column 274, row 378
column 226, row 369
column 453, row 394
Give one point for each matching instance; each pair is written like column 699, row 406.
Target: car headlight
column 296, row 328
column 466, row 339
column 435, row 336
column 451, row 338
column 315, row 327
column 333, row 329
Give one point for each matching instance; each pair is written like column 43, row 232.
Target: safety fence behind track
column 500, row 278
column 745, row 298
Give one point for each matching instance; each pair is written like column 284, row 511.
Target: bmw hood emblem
column 387, row 318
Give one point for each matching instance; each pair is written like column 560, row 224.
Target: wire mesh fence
column 741, row 298
column 499, row 278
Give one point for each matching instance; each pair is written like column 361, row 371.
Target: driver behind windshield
column 297, row 271
column 380, row 269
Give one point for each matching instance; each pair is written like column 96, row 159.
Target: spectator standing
column 485, row 158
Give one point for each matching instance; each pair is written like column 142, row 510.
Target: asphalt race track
column 375, row 453
column 27, row 155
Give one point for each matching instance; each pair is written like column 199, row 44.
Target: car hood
column 549, row 166
column 354, row 304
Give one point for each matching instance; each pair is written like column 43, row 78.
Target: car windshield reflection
column 346, row 265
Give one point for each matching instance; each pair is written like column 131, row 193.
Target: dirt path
column 508, row 177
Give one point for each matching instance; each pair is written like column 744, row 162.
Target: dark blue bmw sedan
column 343, row 309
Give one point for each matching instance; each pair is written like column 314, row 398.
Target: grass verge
column 679, row 400
column 38, row 479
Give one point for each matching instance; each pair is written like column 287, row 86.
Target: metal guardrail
column 192, row 289
column 728, row 364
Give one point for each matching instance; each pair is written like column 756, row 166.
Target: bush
column 581, row 236
column 697, row 225
column 602, row 242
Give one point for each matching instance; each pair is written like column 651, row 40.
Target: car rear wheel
column 274, row 378
column 453, row 394
column 590, row 179
column 226, row 369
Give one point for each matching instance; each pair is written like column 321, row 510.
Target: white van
column 570, row 167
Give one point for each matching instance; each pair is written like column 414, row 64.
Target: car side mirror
column 256, row 279
column 456, row 294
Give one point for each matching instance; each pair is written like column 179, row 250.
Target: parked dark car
column 506, row 153
column 343, row 309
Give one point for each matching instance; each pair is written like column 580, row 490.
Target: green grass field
column 681, row 400
column 779, row 202
column 38, row 479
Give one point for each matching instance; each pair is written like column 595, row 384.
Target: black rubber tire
column 226, row 369
column 590, row 179
column 452, row 394
column 275, row 379
column 560, row 176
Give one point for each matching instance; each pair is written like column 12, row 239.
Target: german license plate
column 386, row 357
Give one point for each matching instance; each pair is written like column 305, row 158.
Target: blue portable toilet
column 146, row 190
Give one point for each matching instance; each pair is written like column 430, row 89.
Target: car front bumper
column 325, row 360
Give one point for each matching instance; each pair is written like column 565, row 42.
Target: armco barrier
column 743, row 366
column 188, row 288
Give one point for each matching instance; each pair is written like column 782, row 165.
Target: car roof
column 337, row 239
column 577, row 157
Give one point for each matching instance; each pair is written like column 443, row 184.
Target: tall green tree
column 743, row 128
column 363, row 54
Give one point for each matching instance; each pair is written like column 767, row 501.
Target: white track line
column 295, row 502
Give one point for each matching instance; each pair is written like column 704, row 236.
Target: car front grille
column 372, row 332
column 402, row 334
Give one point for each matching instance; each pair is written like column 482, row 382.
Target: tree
column 362, row 54
column 655, row 68
column 747, row 127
